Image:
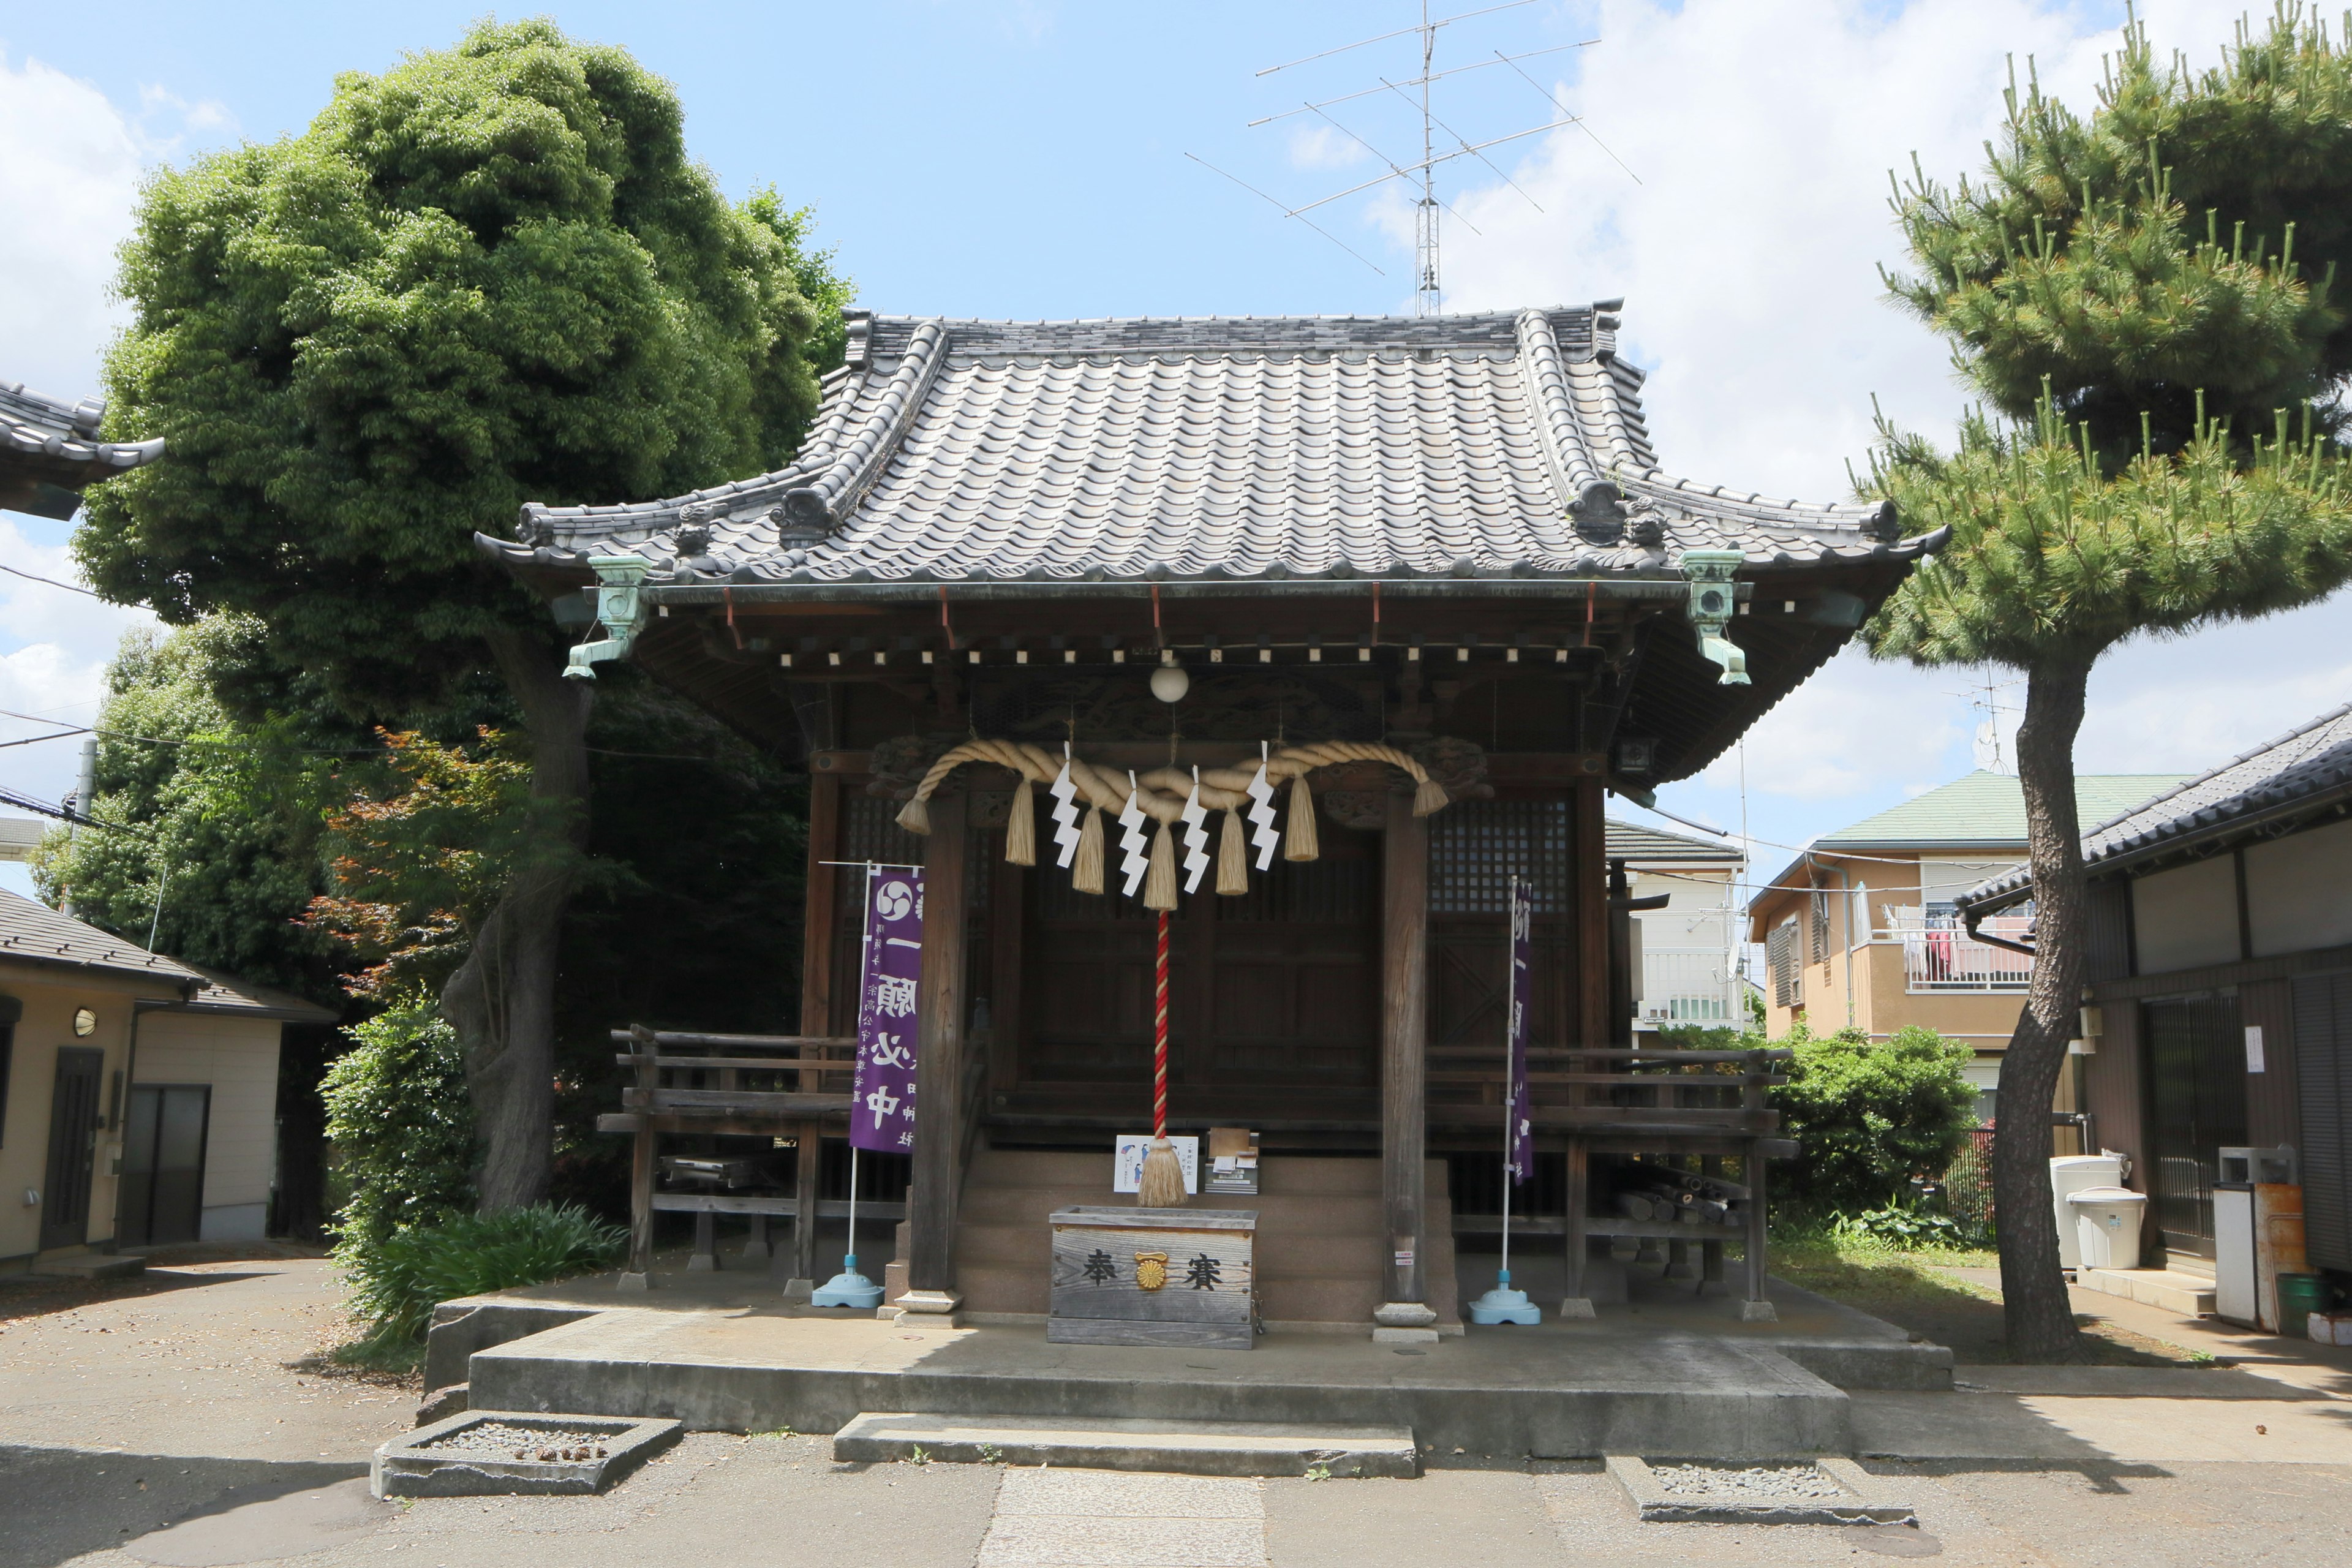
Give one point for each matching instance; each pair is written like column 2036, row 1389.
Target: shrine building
column 1433, row 563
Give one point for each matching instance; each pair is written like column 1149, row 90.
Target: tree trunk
column 501, row 1000
column 2038, row 1317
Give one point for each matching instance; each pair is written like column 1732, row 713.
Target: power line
column 52, row 582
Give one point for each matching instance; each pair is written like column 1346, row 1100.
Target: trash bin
column 2069, row 1174
column 2106, row 1225
column 2299, row 1296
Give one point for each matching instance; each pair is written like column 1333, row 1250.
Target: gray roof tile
column 1213, row 448
column 2306, row 767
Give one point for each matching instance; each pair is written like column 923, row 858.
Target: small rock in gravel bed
column 1756, row 1481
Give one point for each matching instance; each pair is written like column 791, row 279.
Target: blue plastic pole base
column 847, row 1288
column 1505, row 1305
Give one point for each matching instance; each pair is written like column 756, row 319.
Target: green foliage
column 1906, row 1228
column 399, row 1282
column 2136, row 289
column 402, row 1129
column 2179, row 242
column 2051, row 556
column 224, row 814
column 1872, row 1116
column 491, row 274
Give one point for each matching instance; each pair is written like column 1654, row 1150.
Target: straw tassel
column 1020, row 827
column 914, row 816
column 1087, row 871
column 1161, row 1184
column 1429, row 796
column 1233, row 857
column 1298, row 841
column 1159, row 882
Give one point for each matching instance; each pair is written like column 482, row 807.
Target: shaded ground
column 1924, row 1293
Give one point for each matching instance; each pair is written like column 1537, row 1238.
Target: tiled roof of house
column 1484, row 446
column 2303, row 768
column 1985, row 810
column 35, row 934
column 49, row 450
column 1635, row 842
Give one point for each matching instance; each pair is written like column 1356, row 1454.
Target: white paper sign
column 2254, row 1048
column 1127, row 1168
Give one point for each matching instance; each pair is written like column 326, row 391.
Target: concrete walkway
column 186, row 1392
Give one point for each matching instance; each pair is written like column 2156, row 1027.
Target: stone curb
column 408, row 1466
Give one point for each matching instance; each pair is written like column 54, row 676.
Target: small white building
column 138, row 1094
column 1685, row 956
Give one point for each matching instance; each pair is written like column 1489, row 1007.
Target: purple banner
column 882, row 1106
column 1520, row 1158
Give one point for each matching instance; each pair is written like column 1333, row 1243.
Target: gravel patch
column 550, row 1441
column 1757, row 1482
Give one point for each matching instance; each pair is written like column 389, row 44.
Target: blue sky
column 1027, row 160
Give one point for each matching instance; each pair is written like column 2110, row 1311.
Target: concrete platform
column 1560, row 1392
column 2190, row 1295
column 1178, row 1447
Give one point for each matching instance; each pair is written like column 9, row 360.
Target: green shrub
column 1907, row 1229
column 402, row 1127
column 1871, row 1117
column 399, row 1280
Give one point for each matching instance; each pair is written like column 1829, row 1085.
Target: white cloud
column 58, row 643
column 1747, row 255
column 70, row 168
column 1314, row 145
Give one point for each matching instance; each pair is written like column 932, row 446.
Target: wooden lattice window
column 1477, row 845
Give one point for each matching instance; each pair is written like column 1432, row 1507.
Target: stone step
column 92, row 1266
column 2190, row 1295
column 1298, row 1211
column 1181, row 1447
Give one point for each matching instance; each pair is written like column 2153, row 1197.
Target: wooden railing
column 1616, row 1088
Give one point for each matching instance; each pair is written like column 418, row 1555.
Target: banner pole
column 849, row 1287
column 1503, row 1304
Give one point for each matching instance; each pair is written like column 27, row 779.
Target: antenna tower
column 1428, row 206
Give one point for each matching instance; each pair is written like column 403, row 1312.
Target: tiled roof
column 1632, row 841
column 49, row 449
column 2302, row 768
column 1504, row 445
column 1986, row 810
column 35, row 934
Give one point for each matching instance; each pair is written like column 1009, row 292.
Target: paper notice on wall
column 2254, row 1048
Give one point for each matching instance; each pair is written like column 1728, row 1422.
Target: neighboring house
column 1860, row 931
column 1685, row 956
column 138, row 1094
column 2221, row 984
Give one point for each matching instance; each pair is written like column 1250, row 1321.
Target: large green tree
column 2141, row 295
column 489, row 275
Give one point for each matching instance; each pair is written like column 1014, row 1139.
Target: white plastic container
column 2069, row 1174
column 2107, row 1227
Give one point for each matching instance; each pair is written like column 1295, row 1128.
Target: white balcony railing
column 1690, row 985
column 1939, row 955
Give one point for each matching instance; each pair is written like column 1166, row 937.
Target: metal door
column 73, row 1147
column 2197, row 1104
column 164, row 1164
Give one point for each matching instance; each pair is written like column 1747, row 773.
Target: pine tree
column 2133, row 295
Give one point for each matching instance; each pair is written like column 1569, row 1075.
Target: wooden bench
column 771, row 1086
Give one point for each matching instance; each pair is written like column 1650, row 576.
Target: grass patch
column 1920, row 1292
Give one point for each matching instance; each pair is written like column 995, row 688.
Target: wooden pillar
column 938, row 1072
column 1756, row 1307
column 818, row 917
column 1404, row 961
column 1589, row 868
column 641, row 1195
column 1576, row 1302
column 804, row 1198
